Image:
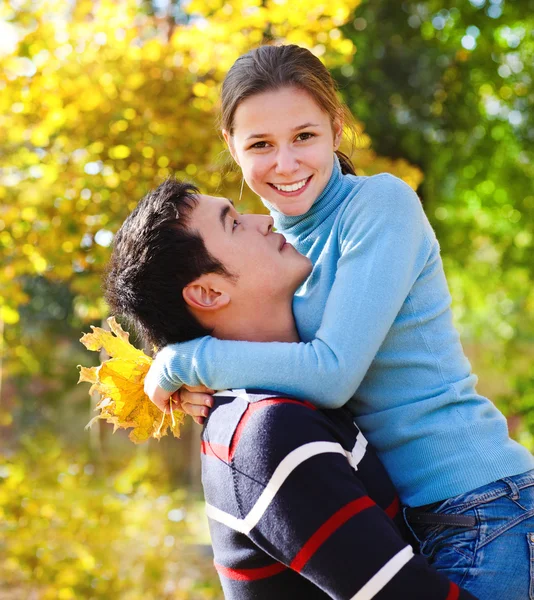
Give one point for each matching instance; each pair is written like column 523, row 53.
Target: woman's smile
column 292, row 189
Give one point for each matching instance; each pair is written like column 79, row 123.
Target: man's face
column 263, row 263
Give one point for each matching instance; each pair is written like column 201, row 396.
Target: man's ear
column 230, row 143
column 202, row 296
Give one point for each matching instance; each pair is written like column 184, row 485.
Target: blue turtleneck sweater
column 376, row 328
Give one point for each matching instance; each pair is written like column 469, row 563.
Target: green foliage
column 69, row 530
column 448, row 86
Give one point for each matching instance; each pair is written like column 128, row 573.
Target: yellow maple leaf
column 119, row 383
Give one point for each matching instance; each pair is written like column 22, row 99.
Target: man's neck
column 270, row 323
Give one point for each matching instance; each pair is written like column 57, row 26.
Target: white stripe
column 243, row 393
column 227, row 519
column 282, row 472
column 379, row 580
column 238, row 393
column 358, row 452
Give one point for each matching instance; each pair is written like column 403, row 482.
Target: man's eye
column 235, row 224
column 302, row 137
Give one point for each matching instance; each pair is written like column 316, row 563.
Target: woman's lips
column 296, row 192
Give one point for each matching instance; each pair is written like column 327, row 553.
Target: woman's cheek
column 259, row 168
column 254, row 180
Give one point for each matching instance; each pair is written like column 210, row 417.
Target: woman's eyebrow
column 305, row 126
column 257, row 135
column 297, row 128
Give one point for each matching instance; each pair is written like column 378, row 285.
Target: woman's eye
column 235, row 224
column 305, row 136
column 259, row 145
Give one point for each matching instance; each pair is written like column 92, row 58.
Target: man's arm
column 303, row 503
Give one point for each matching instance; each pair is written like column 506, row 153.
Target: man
column 299, row 506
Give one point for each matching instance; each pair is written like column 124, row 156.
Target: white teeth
column 291, row 188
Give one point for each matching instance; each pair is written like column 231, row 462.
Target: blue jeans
column 494, row 560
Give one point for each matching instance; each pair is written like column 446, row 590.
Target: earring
column 241, row 191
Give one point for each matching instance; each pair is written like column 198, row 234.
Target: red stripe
column 454, row 591
column 217, row 450
column 251, row 409
column 392, row 510
column 250, row 574
column 327, row 529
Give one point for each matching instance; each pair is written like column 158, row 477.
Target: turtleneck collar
column 326, row 202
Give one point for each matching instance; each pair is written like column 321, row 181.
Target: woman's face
column 284, row 143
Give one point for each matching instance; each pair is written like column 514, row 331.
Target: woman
column 376, row 326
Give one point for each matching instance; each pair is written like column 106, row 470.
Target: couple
column 375, row 323
column 299, row 506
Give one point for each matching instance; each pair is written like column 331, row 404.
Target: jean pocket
column 530, row 540
column 459, row 540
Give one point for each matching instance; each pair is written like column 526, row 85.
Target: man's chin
column 303, row 278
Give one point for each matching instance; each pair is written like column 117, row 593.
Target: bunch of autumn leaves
column 119, row 384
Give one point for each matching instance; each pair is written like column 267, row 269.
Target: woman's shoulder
column 383, row 194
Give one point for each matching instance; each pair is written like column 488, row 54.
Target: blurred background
column 99, row 102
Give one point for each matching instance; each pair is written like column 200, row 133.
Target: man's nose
column 263, row 223
column 286, row 161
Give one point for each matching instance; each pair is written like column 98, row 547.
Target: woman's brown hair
column 270, row 68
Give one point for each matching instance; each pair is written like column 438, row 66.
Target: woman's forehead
column 289, row 107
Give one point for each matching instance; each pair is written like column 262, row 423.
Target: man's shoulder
column 256, row 440
column 249, row 422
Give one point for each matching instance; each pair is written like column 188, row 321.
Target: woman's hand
column 160, row 397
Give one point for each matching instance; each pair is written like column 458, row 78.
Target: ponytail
column 347, row 168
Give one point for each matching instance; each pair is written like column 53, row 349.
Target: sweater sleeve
column 308, row 508
column 383, row 247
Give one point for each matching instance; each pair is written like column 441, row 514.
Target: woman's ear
column 338, row 133
column 200, row 295
column 230, row 143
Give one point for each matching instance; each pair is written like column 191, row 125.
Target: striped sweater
column 300, row 507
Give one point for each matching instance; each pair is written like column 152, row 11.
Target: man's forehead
column 214, row 199
column 211, row 210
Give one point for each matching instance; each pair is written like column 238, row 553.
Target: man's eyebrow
column 298, row 128
column 224, row 213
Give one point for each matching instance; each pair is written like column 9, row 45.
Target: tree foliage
column 449, row 87
column 69, row 530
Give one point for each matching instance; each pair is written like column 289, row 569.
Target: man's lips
column 282, row 242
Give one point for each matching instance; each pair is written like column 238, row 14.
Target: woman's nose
column 286, row 162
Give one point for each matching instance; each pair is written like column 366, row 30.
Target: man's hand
column 194, row 401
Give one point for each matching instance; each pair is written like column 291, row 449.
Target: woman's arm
column 384, row 246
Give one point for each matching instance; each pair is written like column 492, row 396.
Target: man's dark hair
column 154, row 257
